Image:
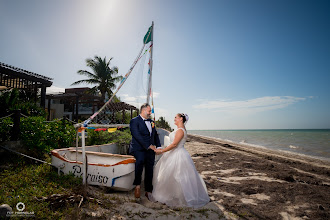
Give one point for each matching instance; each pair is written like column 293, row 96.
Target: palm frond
column 102, row 75
column 87, row 73
column 88, row 81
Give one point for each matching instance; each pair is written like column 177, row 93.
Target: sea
column 310, row 142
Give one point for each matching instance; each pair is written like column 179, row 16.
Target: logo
column 20, row 211
column 20, row 206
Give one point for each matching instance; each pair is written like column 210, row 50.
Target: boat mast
column 150, row 64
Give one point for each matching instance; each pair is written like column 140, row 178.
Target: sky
column 228, row 64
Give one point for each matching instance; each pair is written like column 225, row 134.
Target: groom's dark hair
column 145, row 105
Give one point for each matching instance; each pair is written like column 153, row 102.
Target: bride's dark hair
column 182, row 115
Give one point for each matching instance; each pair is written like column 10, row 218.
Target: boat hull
column 105, row 166
column 104, row 169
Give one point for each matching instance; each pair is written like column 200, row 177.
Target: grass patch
column 23, row 181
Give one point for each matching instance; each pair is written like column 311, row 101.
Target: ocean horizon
column 310, row 142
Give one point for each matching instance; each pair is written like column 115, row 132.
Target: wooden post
column 131, row 113
column 123, row 120
column 43, row 97
column 77, row 103
column 49, row 101
column 16, row 130
column 72, row 105
column 35, row 88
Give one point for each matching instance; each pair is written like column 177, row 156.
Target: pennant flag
column 91, row 128
column 110, row 130
column 147, row 37
column 100, row 129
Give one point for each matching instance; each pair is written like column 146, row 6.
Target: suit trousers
column 145, row 159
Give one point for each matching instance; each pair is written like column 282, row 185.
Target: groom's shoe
column 137, row 192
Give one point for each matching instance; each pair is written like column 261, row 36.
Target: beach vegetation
column 6, row 125
column 14, row 99
column 26, row 182
column 41, row 137
column 162, row 123
column 121, row 137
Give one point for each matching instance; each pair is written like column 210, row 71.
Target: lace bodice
column 183, row 140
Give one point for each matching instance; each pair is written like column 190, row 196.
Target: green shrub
column 41, row 137
column 121, row 138
column 162, row 123
column 13, row 99
column 6, row 125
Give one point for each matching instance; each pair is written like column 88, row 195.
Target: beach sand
column 243, row 182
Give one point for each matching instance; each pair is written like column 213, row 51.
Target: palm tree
column 103, row 77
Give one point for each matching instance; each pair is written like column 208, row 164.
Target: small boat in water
column 105, row 167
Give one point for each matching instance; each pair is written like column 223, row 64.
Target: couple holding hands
column 174, row 180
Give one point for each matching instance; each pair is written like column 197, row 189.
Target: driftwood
column 59, row 200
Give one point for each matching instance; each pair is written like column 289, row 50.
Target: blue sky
column 229, row 64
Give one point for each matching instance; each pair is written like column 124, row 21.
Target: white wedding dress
column 176, row 181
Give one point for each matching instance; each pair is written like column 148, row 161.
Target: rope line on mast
column 121, row 84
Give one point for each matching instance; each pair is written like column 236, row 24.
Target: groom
column 144, row 141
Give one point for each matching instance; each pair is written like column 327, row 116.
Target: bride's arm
column 178, row 136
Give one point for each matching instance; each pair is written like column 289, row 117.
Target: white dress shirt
column 148, row 124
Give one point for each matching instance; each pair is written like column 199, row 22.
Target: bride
column 176, row 181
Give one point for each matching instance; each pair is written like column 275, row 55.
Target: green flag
column 147, row 37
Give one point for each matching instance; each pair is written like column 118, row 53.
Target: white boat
column 105, row 167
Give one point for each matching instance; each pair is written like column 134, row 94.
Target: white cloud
column 249, row 106
column 136, row 100
column 156, row 94
column 55, row 90
column 161, row 112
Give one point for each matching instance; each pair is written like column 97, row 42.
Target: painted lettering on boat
column 97, row 178
column 76, row 169
column 93, row 178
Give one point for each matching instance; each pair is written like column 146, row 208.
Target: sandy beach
column 257, row 183
column 243, row 183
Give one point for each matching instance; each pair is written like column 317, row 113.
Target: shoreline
column 246, row 181
column 256, row 147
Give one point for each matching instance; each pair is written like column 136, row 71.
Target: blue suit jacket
column 141, row 138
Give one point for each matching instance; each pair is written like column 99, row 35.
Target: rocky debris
column 59, row 200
